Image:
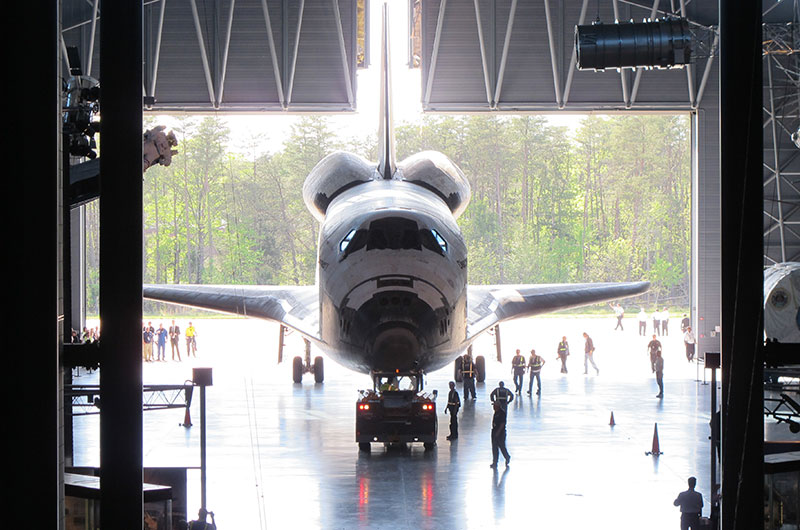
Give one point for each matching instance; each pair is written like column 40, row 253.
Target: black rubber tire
column 364, row 447
column 458, row 375
column 480, row 367
column 319, row 370
column 429, row 445
column 297, row 369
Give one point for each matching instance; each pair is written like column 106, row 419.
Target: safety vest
column 536, row 363
column 563, row 348
column 467, row 368
column 518, row 361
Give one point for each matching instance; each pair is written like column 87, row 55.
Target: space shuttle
column 392, row 291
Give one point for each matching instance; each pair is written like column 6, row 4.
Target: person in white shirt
column 689, row 341
column 665, row 322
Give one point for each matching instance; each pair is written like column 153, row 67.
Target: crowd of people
column 162, row 336
column 88, row 335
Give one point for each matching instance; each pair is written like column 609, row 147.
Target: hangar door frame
column 519, row 57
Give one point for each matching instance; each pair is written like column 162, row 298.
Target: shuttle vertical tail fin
column 387, row 162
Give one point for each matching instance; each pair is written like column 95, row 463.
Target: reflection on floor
column 283, row 456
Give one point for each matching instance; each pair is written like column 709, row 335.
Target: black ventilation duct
column 663, row 43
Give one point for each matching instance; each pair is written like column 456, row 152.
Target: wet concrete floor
column 282, row 455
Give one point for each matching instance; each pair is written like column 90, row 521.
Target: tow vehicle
column 396, row 410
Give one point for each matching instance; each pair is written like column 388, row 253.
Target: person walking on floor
column 161, row 342
column 619, row 313
column 689, row 340
column 588, row 356
column 642, row 316
column 691, row 505
column 468, row 373
column 518, row 368
column 191, row 341
column 174, row 340
column 563, row 352
column 659, row 370
column 453, row 404
column 656, row 322
column 499, row 435
column 653, row 347
column 535, row 364
column 665, row 322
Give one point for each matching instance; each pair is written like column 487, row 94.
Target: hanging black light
column 661, row 43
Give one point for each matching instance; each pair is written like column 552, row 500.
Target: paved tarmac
column 282, row 455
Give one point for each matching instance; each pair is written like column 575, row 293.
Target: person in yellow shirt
column 191, row 341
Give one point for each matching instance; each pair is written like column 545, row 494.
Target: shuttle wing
column 294, row 307
column 489, row 305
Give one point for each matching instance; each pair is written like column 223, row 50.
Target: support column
column 33, row 257
column 121, row 264
column 742, row 258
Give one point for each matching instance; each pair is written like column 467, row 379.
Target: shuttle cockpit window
column 346, row 240
column 354, row 240
column 393, row 233
column 432, row 240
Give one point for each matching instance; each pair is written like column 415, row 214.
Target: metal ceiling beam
column 574, row 60
column 437, row 40
column 274, row 56
column 203, row 55
column 506, row 43
column 225, row 54
column 296, row 50
column 553, row 56
column 345, row 68
column 484, row 64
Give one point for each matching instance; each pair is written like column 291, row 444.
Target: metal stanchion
column 712, row 361
column 202, row 377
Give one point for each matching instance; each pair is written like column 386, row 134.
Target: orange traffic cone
column 187, row 419
column 656, row 448
column 611, row 423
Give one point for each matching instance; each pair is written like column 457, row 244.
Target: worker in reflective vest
column 535, row 364
column 468, row 373
column 518, row 368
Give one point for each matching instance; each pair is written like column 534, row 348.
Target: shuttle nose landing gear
column 301, row 366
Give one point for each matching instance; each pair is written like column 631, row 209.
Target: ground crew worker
column 659, row 370
column 468, row 373
column 518, row 368
column 654, row 347
column 535, row 364
column 563, row 352
column 453, row 404
column 499, row 434
column 501, row 395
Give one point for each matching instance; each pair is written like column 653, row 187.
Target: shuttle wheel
column 319, row 370
column 429, row 445
column 364, row 447
column 480, row 367
column 297, row 369
column 458, row 375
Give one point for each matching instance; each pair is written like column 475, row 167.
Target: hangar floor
column 282, row 455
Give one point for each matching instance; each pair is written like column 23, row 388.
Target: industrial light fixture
column 660, row 43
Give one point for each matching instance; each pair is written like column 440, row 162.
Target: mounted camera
column 81, row 96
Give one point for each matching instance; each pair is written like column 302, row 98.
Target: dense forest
column 609, row 201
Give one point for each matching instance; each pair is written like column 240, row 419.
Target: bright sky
column 406, row 89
